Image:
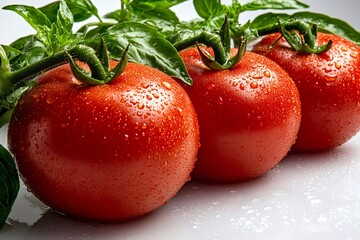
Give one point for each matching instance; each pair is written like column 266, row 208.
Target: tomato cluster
column 119, row 150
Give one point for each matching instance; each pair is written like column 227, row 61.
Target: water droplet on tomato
column 267, row 74
column 242, row 86
column 254, row 85
column 220, row 101
column 210, row 86
column 136, row 136
column 166, row 163
column 148, row 97
column 50, row 100
column 330, row 79
column 166, row 85
column 126, row 136
column 344, row 49
column 145, row 85
column 354, row 54
column 319, row 64
column 140, row 105
column 156, row 95
column 179, row 110
column 328, row 69
column 257, row 76
column 35, row 95
column 337, row 65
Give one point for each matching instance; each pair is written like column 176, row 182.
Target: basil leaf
column 147, row 46
column 209, row 8
column 82, row 9
column 163, row 19
column 9, row 184
column 38, row 20
column 54, row 35
column 50, row 10
column 64, row 21
column 30, row 50
column 272, row 4
column 154, row 4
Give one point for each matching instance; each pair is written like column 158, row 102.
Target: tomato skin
column 329, row 86
column 110, row 152
column 248, row 116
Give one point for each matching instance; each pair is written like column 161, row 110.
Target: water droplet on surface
column 216, row 203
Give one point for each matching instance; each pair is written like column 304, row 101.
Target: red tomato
column 329, row 89
column 249, row 116
column 108, row 152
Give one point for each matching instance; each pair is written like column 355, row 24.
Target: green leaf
column 273, row 4
column 29, row 50
column 209, row 8
column 9, row 184
column 64, row 20
column 82, row 9
column 38, row 20
column 51, row 10
column 154, row 4
column 164, row 20
column 147, row 46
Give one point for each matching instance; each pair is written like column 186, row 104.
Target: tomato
column 249, row 116
column 329, row 89
column 109, row 152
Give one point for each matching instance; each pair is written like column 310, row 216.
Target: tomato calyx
column 98, row 61
column 221, row 45
column 301, row 35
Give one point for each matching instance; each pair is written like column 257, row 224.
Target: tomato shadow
column 191, row 203
column 56, row 226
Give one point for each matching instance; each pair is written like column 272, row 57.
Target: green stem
column 18, row 78
column 208, row 39
column 299, row 25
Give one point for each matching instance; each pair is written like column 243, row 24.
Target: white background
column 312, row 196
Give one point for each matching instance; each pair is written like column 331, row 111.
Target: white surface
column 310, row 196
